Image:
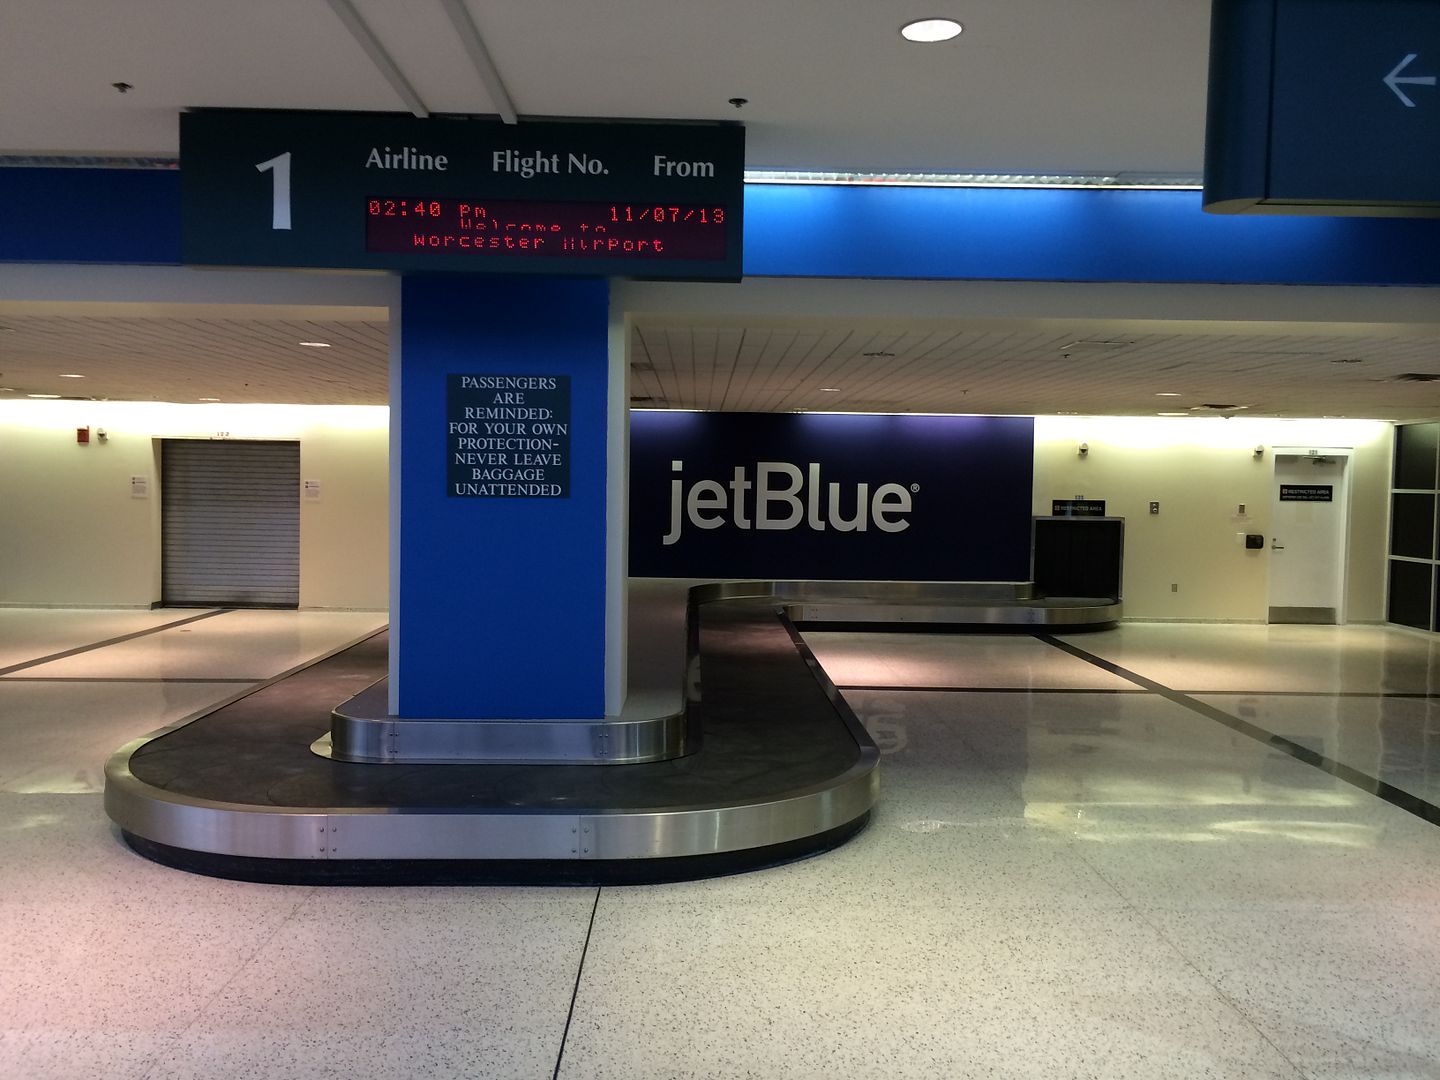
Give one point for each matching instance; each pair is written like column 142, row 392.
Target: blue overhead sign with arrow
column 1324, row 107
column 1395, row 80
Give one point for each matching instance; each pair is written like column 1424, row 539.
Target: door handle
column 1277, row 547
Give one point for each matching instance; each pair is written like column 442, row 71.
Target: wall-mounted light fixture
column 1259, row 452
column 1084, row 449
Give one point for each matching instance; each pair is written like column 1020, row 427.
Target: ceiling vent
column 86, row 161
column 879, row 355
column 1418, row 376
column 1215, row 407
column 1095, row 345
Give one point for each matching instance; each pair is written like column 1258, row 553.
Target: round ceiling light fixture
column 931, row 30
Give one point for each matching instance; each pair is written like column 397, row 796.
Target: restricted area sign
column 1324, row 107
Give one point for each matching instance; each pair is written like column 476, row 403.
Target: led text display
column 507, row 228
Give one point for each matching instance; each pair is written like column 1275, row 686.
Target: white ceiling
column 1103, row 86
column 1030, row 86
column 863, row 365
column 1042, row 366
column 219, row 355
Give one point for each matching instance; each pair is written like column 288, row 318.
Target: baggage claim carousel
column 765, row 762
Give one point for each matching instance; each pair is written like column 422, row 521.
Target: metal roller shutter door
column 230, row 523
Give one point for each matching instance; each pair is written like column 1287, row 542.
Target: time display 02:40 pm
column 545, row 229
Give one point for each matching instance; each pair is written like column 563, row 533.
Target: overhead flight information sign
column 1324, row 107
column 389, row 191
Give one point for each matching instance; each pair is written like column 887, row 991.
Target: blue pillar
column 497, row 592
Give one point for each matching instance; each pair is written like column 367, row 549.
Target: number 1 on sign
column 279, row 168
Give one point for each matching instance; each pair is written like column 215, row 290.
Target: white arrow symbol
column 1394, row 79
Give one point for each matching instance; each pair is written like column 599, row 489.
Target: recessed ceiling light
column 829, row 389
column 43, row 395
column 315, row 344
column 209, row 399
column 72, row 376
column 7, row 389
column 1167, row 393
column 931, row 30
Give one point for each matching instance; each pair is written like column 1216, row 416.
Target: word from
column 708, row 504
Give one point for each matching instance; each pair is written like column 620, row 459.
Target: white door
column 1309, row 524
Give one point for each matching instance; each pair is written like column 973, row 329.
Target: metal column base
column 652, row 728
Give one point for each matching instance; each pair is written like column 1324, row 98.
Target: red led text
column 539, row 229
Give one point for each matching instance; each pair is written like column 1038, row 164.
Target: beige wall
column 345, row 534
column 72, row 533
column 1200, row 470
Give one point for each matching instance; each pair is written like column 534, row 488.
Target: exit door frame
column 1348, row 453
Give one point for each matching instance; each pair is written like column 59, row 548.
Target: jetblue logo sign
column 782, row 500
column 819, row 496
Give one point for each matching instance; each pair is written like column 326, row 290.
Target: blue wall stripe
column 1016, row 234
column 90, row 216
column 1008, row 234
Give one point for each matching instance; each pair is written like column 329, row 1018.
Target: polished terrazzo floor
column 1078, row 869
